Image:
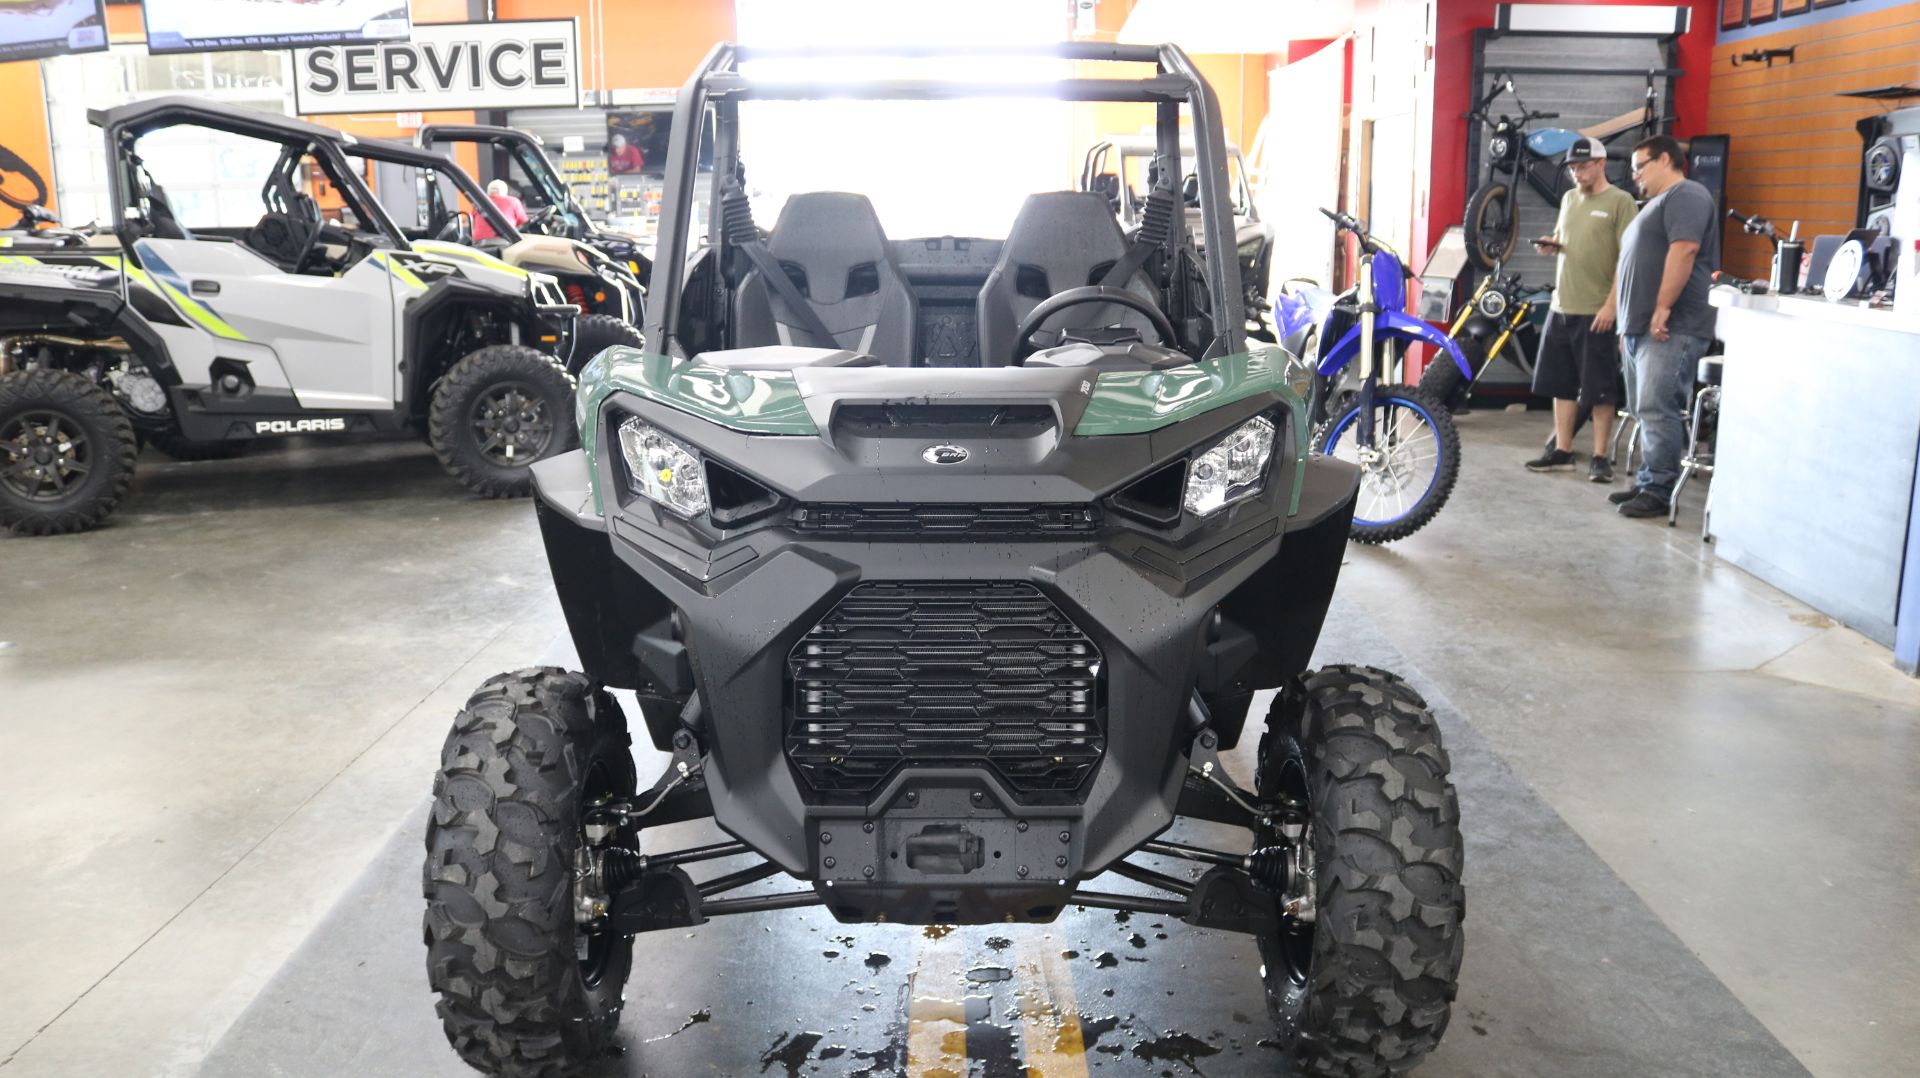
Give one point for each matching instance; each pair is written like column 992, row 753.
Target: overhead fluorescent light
column 1656, row 20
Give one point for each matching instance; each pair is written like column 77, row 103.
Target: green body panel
column 768, row 402
column 753, row 402
column 1135, row 402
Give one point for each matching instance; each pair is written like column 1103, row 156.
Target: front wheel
column 524, row 991
column 1491, row 223
column 1366, row 988
column 496, row 412
column 66, row 452
column 1409, row 469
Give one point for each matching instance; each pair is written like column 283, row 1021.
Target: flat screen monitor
column 209, row 25
column 31, row 29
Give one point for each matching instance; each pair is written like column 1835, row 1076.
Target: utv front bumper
column 960, row 726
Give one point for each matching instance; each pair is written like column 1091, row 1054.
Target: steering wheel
column 1024, row 345
column 457, row 228
column 540, row 220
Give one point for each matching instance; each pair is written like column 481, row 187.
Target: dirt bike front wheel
column 1490, row 223
column 1409, row 469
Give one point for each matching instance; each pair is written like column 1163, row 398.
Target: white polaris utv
column 319, row 317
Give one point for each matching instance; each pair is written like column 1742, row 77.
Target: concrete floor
column 224, row 708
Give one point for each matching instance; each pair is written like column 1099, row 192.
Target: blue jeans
column 1659, row 384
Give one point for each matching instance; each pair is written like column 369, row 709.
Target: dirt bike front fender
column 1402, row 326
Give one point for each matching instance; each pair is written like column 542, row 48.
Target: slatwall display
column 1581, row 101
column 1798, row 155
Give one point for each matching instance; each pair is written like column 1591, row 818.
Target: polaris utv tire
column 1491, row 221
column 497, row 411
column 66, row 452
column 1367, row 989
column 525, row 756
column 594, row 333
column 180, row 447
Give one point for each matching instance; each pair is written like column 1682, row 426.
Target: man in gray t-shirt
column 1667, row 258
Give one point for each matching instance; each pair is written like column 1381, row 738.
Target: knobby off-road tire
column 1443, row 381
column 533, row 390
column 1377, row 992
column 1402, row 402
column 594, row 333
column 1490, row 224
column 180, row 447
column 527, row 752
column 91, row 464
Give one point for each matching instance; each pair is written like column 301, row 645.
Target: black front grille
column 937, row 520
column 945, row 675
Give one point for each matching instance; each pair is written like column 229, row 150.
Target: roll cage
column 524, row 147
column 440, row 164
column 717, row 84
column 130, row 185
column 1109, row 157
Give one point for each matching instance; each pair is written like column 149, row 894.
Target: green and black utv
column 944, row 571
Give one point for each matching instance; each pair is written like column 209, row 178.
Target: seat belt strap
column 742, row 235
column 1156, row 225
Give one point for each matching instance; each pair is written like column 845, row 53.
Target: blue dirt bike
column 1401, row 437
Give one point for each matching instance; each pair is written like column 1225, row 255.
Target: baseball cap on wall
column 1585, row 149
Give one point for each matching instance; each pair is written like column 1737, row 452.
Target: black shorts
column 1575, row 363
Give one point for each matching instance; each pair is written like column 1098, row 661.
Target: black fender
column 73, row 310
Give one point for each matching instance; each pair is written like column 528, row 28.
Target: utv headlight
column 663, row 469
column 1232, row 470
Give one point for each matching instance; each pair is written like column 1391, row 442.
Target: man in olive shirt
column 1579, row 363
column 1667, row 259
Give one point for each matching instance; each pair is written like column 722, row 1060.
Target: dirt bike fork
column 1369, row 310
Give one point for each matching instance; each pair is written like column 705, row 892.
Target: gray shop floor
column 1567, row 973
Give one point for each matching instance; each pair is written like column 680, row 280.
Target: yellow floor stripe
column 1049, row 1011
column 937, row 1013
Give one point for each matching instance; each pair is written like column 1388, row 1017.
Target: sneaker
column 1553, row 460
column 1622, row 497
column 1600, row 470
column 1644, row 504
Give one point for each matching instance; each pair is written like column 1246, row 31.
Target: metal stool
column 1699, row 458
column 1625, row 441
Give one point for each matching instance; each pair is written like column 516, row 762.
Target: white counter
column 1850, row 312
column 1814, row 481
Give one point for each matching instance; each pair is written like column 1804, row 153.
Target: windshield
column 930, row 168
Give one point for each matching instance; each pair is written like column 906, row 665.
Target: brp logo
column 945, row 454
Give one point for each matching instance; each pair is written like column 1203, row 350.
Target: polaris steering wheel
column 1024, row 345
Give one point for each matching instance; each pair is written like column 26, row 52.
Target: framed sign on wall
column 529, row 63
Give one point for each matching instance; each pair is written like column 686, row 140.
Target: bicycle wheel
column 1490, row 224
column 1409, row 470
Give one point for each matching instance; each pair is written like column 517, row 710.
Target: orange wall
column 1794, row 154
column 635, row 43
column 23, row 129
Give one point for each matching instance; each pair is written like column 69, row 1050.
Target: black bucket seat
column 834, row 251
column 1059, row 240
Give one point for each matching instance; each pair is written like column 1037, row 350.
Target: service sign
column 480, row 65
